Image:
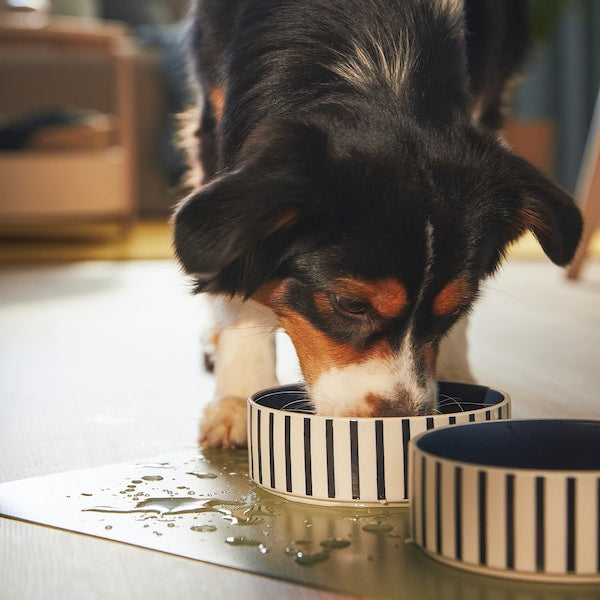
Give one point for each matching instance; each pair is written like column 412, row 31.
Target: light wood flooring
column 100, row 363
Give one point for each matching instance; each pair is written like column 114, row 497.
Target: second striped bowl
column 518, row 499
column 357, row 461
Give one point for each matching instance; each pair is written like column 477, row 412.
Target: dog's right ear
column 233, row 233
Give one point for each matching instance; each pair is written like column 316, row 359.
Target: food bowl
column 360, row 461
column 516, row 498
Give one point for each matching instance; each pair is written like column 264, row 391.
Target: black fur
column 312, row 177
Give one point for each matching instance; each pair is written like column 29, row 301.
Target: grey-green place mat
column 203, row 506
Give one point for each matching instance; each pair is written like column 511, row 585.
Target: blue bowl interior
column 543, row 444
column 452, row 398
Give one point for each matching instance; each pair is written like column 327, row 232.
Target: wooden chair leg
column 588, row 192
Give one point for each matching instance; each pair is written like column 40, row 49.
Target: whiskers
column 448, row 404
column 298, row 402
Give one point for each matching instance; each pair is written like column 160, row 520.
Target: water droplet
column 170, row 524
column 108, row 527
column 152, row 478
column 203, row 528
column 202, row 475
column 310, row 559
column 241, row 541
column 377, row 527
column 136, row 481
column 86, row 494
column 157, row 533
column 335, row 544
column 307, row 523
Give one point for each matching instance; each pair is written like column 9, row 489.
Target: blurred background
column 90, row 91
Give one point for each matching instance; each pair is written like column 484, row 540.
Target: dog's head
column 368, row 250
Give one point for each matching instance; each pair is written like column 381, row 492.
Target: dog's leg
column 244, row 363
column 453, row 362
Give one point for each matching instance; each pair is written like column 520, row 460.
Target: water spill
column 203, row 528
column 236, row 513
column 335, row 544
column 377, row 527
column 152, row 478
column 202, row 475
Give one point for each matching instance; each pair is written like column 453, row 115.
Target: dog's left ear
column 233, row 233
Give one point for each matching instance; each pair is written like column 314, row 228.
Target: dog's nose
column 404, row 404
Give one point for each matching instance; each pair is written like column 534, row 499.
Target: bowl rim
column 414, row 448
column 504, row 400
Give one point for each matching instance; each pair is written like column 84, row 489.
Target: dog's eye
column 350, row 306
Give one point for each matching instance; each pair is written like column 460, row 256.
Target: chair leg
column 588, row 192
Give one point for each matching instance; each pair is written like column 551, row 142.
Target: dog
column 355, row 192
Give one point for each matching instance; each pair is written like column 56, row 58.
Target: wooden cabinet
column 71, row 183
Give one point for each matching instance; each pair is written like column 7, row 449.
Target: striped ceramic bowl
column 362, row 461
column 515, row 498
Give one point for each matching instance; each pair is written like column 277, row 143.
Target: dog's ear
column 521, row 199
column 233, row 233
column 548, row 211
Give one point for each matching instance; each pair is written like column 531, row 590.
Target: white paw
column 224, row 423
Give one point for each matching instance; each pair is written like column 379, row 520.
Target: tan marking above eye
column 387, row 296
column 453, row 296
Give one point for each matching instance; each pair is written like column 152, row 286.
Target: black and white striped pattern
column 517, row 522
column 330, row 460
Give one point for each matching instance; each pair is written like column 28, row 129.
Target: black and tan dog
column 355, row 190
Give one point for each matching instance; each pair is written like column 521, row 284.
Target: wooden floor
column 100, row 363
column 146, row 239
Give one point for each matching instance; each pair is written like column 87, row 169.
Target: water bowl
column 358, row 461
column 516, row 499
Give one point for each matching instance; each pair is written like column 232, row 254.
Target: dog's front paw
column 224, row 423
